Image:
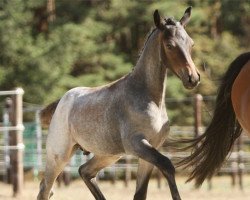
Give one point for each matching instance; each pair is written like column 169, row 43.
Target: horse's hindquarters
column 241, row 97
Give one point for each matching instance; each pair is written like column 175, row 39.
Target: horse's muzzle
column 192, row 81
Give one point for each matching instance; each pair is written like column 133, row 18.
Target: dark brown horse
column 231, row 115
column 127, row 116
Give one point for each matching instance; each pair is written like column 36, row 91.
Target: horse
column 127, row 116
column 231, row 116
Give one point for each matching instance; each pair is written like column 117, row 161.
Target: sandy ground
column 222, row 190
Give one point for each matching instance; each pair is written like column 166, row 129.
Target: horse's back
column 241, row 97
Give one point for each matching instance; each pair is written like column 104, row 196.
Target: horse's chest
column 157, row 128
column 157, row 118
column 153, row 122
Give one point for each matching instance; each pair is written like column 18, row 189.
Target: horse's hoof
column 51, row 194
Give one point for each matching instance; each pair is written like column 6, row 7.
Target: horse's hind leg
column 55, row 163
column 89, row 170
column 143, row 175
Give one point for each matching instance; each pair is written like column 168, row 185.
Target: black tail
column 47, row 113
column 211, row 148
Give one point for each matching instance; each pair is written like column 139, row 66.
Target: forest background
column 51, row 46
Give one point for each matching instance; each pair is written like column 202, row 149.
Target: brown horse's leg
column 142, row 149
column 53, row 169
column 89, row 170
column 143, row 175
column 54, row 165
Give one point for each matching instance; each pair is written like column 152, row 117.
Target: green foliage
column 94, row 42
column 176, row 93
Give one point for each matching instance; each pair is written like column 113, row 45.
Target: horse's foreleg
column 89, row 170
column 143, row 175
column 142, row 149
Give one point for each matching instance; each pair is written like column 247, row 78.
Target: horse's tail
column 212, row 147
column 47, row 113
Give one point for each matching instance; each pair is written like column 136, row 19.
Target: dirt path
column 222, row 190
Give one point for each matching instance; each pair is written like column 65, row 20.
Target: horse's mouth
column 190, row 86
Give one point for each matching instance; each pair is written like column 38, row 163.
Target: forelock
column 170, row 27
column 170, row 21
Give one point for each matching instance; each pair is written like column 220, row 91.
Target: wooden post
column 209, row 184
column 197, row 123
column 6, row 122
column 158, row 175
column 16, row 141
column 197, row 114
column 127, row 170
column 51, row 10
column 234, row 169
column 66, row 175
column 39, row 144
column 113, row 175
column 240, row 163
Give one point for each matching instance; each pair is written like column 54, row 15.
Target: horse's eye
column 169, row 46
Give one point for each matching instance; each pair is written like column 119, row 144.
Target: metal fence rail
column 34, row 153
column 11, row 147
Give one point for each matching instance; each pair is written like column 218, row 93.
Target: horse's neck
column 150, row 71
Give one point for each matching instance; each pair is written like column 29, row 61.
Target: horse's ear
column 157, row 20
column 185, row 19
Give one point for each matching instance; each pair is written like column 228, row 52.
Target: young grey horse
column 127, row 116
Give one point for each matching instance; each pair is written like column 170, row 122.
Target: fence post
column 39, row 144
column 6, row 122
column 127, row 171
column 16, row 140
column 113, row 174
column 158, row 175
column 198, row 123
column 234, row 169
column 197, row 114
column 240, row 163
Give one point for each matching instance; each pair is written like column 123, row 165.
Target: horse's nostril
column 189, row 78
column 199, row 76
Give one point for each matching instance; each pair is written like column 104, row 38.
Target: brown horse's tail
column 211, row 148
column 47, row 113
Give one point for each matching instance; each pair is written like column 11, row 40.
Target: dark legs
column 145, row 151
column 89, row 170
column 143, row 176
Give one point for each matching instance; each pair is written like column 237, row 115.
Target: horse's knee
column 167, row 167
column 85, row 173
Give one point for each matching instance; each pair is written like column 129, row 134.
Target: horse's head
column 176, row 48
